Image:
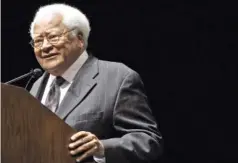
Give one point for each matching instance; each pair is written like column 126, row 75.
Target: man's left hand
column 87, row 144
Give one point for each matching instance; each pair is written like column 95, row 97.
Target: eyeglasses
column 51, row 38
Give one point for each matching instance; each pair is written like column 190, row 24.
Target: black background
column 185, row 52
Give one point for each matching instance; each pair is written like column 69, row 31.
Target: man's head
column 59, row 35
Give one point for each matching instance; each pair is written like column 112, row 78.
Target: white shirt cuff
column 99, row 160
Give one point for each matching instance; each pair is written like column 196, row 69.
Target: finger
column 81, row 141
column 78, row 135
column 84, row 147
column 89, row 153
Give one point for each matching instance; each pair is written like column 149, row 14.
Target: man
column 103, row 100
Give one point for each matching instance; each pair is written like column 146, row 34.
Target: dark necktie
column 52, row 100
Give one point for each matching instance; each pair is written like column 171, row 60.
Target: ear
column 80, row 40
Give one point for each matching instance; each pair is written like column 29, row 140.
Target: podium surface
column 31, row 133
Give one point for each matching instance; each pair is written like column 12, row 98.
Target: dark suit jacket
column 108, row 99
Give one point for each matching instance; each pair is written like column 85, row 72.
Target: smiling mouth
column 49, row 56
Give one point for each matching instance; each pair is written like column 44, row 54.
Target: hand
column 86, row 143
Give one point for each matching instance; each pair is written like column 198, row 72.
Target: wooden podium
column 31, row 133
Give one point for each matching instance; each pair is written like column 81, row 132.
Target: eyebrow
column 46, row 32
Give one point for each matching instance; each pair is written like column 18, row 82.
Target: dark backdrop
column 185, row 52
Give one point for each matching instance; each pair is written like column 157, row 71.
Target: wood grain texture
column 31, row 133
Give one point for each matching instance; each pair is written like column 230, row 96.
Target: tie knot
column 59, row 80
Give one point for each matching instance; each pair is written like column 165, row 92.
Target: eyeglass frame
column 48, row 40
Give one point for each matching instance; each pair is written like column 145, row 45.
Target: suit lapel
column 84, row 82
column 39, row 87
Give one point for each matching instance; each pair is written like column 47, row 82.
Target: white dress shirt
column 68, row 75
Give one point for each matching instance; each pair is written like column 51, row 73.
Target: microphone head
column 37, row 72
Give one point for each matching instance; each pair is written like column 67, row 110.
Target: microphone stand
column 20, row 77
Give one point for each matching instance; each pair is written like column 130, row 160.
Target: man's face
column 60, row 49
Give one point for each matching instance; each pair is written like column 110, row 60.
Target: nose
column 46, row 46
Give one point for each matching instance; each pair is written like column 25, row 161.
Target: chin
column 51, row 64
column 54, row 70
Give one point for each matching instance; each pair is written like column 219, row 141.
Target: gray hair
column 72, row 18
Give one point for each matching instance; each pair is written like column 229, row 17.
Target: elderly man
column 104, row 101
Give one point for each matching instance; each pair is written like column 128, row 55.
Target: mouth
column 50, row 56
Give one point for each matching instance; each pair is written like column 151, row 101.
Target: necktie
column 52, row 100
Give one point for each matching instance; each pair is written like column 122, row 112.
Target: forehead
column 48, row 23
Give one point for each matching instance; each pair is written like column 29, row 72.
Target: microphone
column 33, row 73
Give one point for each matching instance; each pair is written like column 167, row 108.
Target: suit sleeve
column 138, row 138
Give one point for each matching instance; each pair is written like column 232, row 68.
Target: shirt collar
column 70, row 73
